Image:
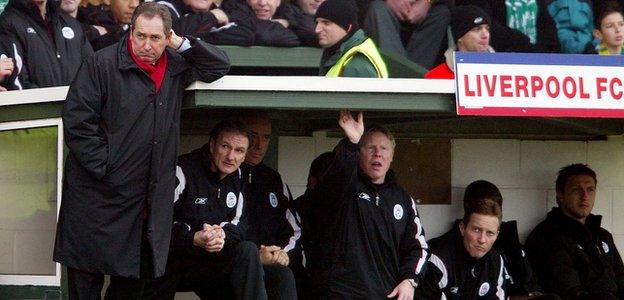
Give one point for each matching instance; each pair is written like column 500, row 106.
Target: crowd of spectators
column 44, row 41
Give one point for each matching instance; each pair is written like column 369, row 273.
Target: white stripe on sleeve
column 296, row 231
column 436, row 261
column 500, row 293
column 181, row 184
column 239, row 209
column 420, row 237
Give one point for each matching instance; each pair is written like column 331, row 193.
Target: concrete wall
column 525, row 171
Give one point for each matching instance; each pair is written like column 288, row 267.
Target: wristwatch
column 413, row 282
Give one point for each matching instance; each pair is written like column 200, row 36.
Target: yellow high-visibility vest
column 368, row 49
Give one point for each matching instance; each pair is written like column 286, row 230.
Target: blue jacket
column 575, row 23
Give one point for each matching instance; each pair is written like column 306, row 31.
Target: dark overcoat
column 123, row 139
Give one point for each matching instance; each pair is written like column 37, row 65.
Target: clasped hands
column 211, row 238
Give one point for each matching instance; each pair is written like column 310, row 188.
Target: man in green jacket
column 348, row 52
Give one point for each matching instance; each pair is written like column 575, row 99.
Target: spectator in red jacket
column 470, row 26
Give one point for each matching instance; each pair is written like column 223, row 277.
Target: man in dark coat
column 373, row 245
column 464, row 265
column 52, row 43
column 413, row 29
column 269, row 221
column 121, row 121
column 215, row 22
column 208, row 254
column 571, row 254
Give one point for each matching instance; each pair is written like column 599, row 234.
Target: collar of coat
column 175, row 64
column 389, row 180
column 585, row 233
column 333, row 53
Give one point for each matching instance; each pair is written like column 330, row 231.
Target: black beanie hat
column 466, row 17
column 342, row 12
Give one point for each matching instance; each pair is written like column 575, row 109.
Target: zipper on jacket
column 219, row 193
column 376, row 198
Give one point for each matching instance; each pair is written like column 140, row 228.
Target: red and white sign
column 496, row 88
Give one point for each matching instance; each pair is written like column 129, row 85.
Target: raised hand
column 353, row 129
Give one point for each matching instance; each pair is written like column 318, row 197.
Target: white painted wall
column 28, row 196
column 525, row 172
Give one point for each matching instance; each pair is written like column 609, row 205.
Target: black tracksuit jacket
column 268, row 218
column 369, row 236
column 201, row 197
column 52, row 50
column 575, row 260
column 453, row 274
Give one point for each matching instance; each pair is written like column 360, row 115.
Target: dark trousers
column 88, row 286
column 422, row 43
column 280, row 282
column 233, row 273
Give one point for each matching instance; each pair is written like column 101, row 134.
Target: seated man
column 471, row 33
column 52, row 43
column 105, row 25
column 414, row 29
column 519, row 25
column 609, row 28
column 305, row 11
column 269, row 221
column 272, row 28
column 571, row 254
column 521, row 282
column 347, row 51
column 207, row 243
column 212, row 21
column 465, row 266
column 373, row 244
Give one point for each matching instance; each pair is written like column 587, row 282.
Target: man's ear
column 211, row 143
column 597, row 34
column 462, row 227
column 558, row 197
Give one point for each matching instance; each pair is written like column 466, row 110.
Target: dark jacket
column 358, row 66
column 48, row 61
column 507, row 39
column 202, row 198
column 123, row 137
column 269, row 220
column 205, row 25
column 575, row 24
column 91, row 15
column 520, row 279
column 453, row 274
column 301, row 24
column 9, row 49
column 370, row 235
column 575, row 260
column 266, row 32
